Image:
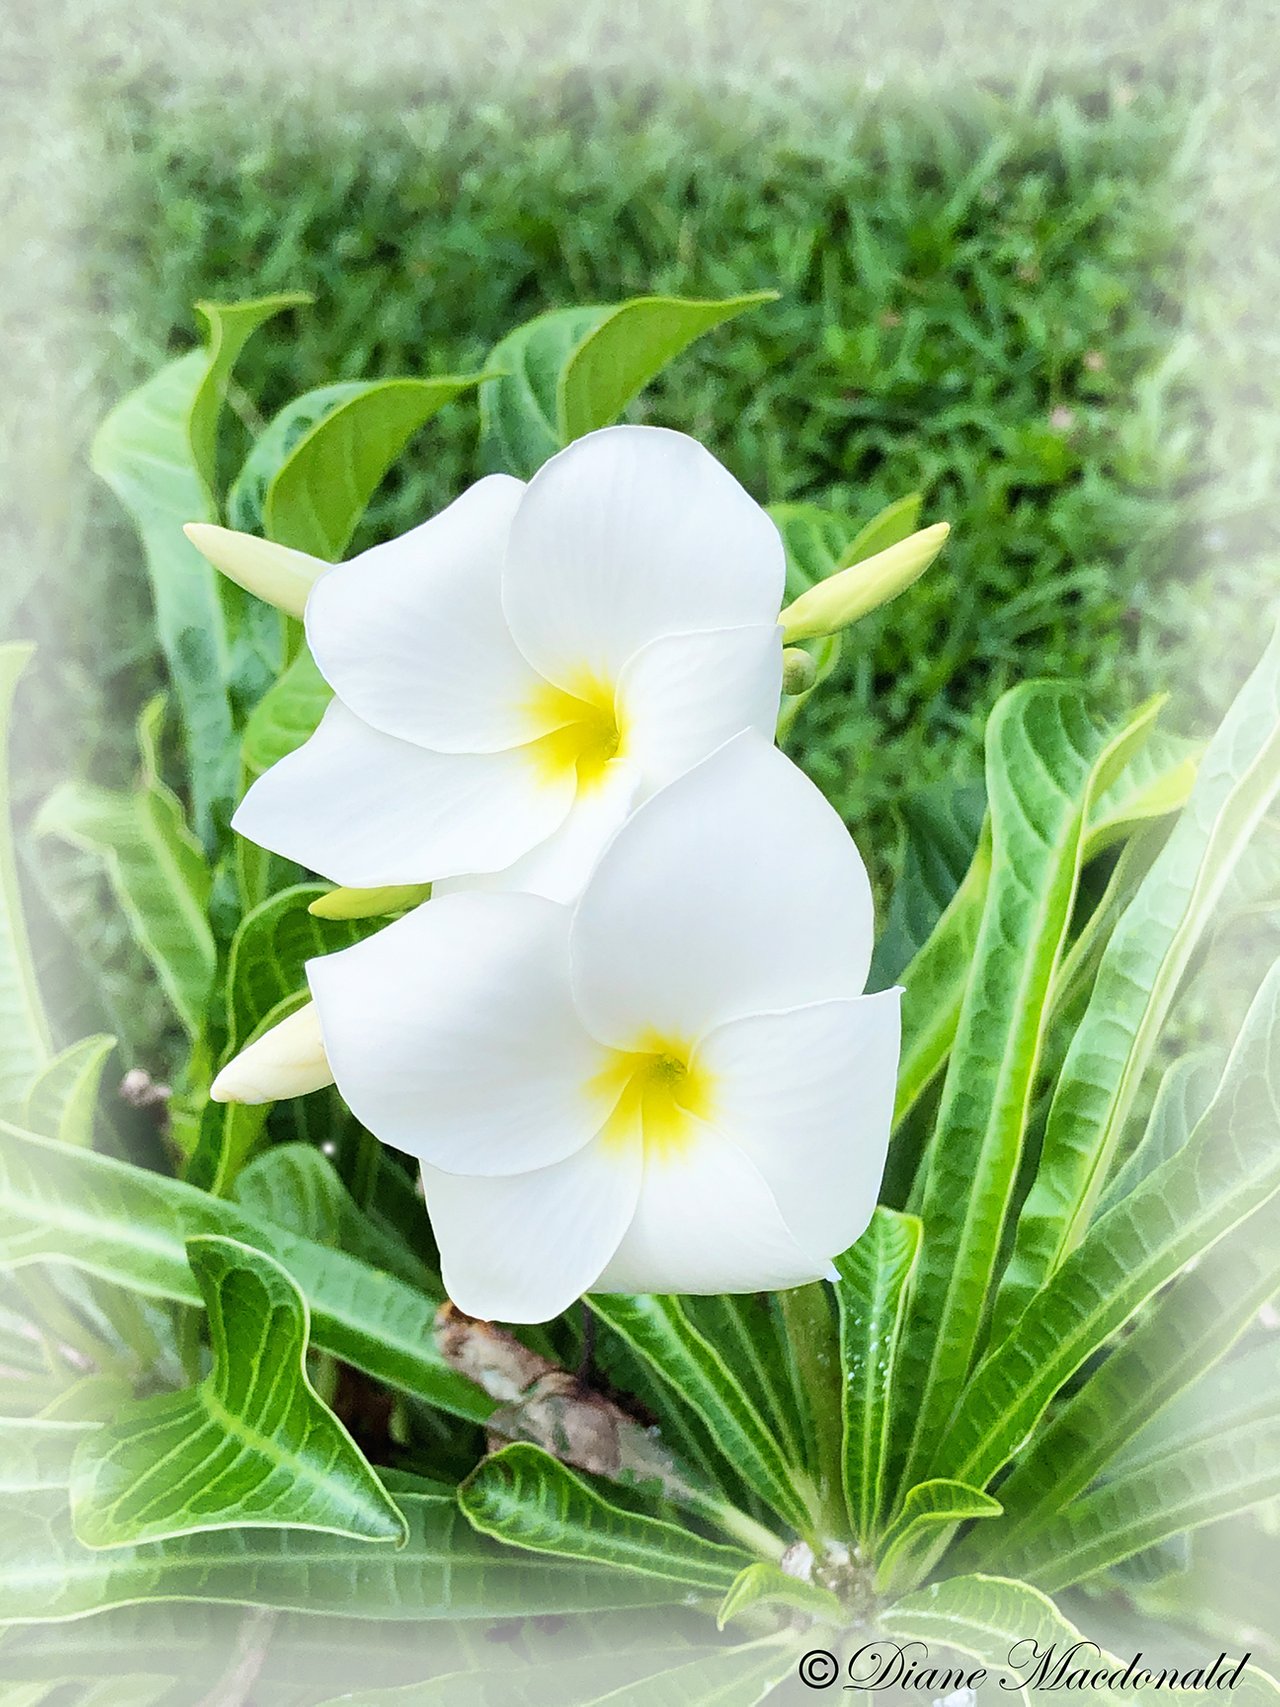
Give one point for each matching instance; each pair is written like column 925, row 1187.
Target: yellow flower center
column 587, row 732
column 654, row 1090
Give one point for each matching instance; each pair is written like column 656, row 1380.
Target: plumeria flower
column 514, row 675
column 673, row 1085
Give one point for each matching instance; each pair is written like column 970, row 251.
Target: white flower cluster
column 626, row 1037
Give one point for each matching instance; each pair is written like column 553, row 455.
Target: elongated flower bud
column 369, row 903
column 850, row 593
column 276, row 574
column 286, row 1061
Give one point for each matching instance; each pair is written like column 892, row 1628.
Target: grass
column 982, row 300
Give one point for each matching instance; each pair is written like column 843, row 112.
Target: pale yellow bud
column 287, row 1061
column 799, row 670
column 369, row 903
column 850, row 593
column 276, row 574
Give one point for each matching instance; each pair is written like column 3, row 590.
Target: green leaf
column 872, row 1297
column 36, row 1452
column 24, row 1031
column 131, row 1226
column 1211, row 1478
column 764, row 1584
column 156, row 450
column 444, row 1570
column 658, row 1329
column 231, row 325
column 985, row 1618
column 287, row 714
column 1046, row 763
column 1139, row 975
column 944, row 829
column 1228, row 1168
column 523, row 1496
column 297, row 1188
column 313, row 471
column 1185, row 1092
column 896, row 522
column 575, row 369
column 269, row 952
column 630, row 346
column 252, row 1445
column 1242, row 1389
column 934, row 984
column 64, row 1097
column 930, row 1514
column 1157, row 780
column 156, row 868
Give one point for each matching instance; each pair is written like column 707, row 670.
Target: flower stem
column 754, row 1536
column 815, row 1355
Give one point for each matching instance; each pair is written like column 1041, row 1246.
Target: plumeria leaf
column 156, row 868
column 1185, row 1092
column 896, row 522
column 934, row 983
column 64, row 1097
column 659, row 1331
column 630, row 346
column 252, row 1445
column 1046, row 763
column 1228, row 1168
column 130, row 1226
column 295, row 1187
column 871, row 1293
column 37, row 1452
column 444, row 1571
column 749, row 1331
column 1157, row 780
column 156, row 450
column 765, row 1584
column 324, row 456
column 527, row 1498
column 575, row 369
column 1138, row 977
column 930, row 1514
column 286, row 715
column 25, row 1046
column 943, row 828
column 1236, row 1466
column 269, row 953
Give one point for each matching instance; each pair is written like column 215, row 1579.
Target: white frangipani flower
column 513, row 676
column 675, row 1084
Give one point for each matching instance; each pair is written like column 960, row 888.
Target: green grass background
column 995, row 295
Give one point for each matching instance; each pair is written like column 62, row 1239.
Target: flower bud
column 799, row 670
column 369, row 903
column 850, row 593
column 276, row 574
column 286, row 1061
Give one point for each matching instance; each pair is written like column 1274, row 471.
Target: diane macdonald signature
column 1082, row 1666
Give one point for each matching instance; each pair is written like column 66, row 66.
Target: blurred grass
column 984, row 298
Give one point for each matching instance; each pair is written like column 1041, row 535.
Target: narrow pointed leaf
column 63, row 1099
column 1185, row 1092
column 316, row 483
column 765, row 1584
column 156, row 868
column 1046, row 763
column 131, row 1227
column 658, row 1329
column 523, row 1496
column 252, row 1445
column 287, row 714
column 230, row 326
column 618, row 357
column 1229, row 1167
column 872, row 1297
column 1139, row 975
column 930, row 1514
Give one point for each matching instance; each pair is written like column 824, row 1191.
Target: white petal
column 287, row 1061
column 558, row 867
column 364, row 809
column 523, row 1248
column 808, row 1095
column 412, row 637
column 452, row 1035
column 735, row 890
column 707, row 1222
column 684, row 695
column 631, row 533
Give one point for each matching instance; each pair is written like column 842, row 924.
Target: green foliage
column 252, row 1446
